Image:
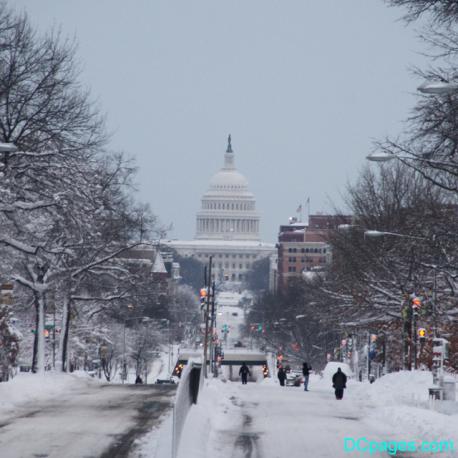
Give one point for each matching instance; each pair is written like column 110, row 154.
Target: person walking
column 281, row 376
column 306, row 368
column 339, row 382
column 244, row 372
column 138, row 380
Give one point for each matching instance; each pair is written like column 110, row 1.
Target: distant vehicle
column 235, row 314
column 238, row 344
column 294, row 378
column 168, row 381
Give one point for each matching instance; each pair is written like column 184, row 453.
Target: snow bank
column 401, row 400
column 27, row 387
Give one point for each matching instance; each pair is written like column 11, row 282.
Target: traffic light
column 259, row 327
column 203, row 297
column 422, row 335
column 416, row 303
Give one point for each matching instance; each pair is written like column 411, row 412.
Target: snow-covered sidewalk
column 265, row 420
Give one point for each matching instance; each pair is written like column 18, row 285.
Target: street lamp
column 378, row 234
column 428, row 87
column 438, row 87
column 374, row 233
column 7, row 147
column 124, row 362
column 371, row 233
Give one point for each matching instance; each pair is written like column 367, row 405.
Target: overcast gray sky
column 303, row 86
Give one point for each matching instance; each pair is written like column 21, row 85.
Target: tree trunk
column 35, row 339
column 66, row 314
column 40, row 333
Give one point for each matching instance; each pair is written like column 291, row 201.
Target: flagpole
column 308, row 209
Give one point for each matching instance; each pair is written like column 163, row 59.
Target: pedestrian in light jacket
column 306, row 373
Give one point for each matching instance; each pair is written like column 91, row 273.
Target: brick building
column 303, row 247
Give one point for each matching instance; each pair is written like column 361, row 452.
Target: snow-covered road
column 96, row 420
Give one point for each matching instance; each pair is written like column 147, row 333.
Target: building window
column 302, row 259
column 247, row 265
column 240, row 266
column 291, row 269
column 233, row 266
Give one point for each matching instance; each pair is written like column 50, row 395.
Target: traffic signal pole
column 213, row 328
column 415, row 339
column 207, row 315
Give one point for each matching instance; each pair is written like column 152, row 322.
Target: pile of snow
column 27, row 387
column 331, row 369
column 401, row 399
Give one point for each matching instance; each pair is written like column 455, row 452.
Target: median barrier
column 191, row 383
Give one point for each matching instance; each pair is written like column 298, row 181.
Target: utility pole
column 434, row 303
column 369, row 356
column 207, row 313
column 54, row 337
column 416, row 304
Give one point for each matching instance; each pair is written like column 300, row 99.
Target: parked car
column 331, row 369
column 294, row 378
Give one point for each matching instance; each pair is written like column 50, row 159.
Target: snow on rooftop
column 159, row 266
column 220, row 243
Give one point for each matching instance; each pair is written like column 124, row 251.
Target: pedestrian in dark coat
column 339, row 382
column 306, row 373
column 281, row 376
column 138, row 380
column 244, row 372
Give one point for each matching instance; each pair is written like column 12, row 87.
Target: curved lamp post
column 428, row 87
column 438, row 87
column 124, row 362
column 7, row 147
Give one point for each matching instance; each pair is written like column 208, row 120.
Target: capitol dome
column 228, row 210
column 228, row 180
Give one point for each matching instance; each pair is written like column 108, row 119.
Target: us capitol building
column 227, row 226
